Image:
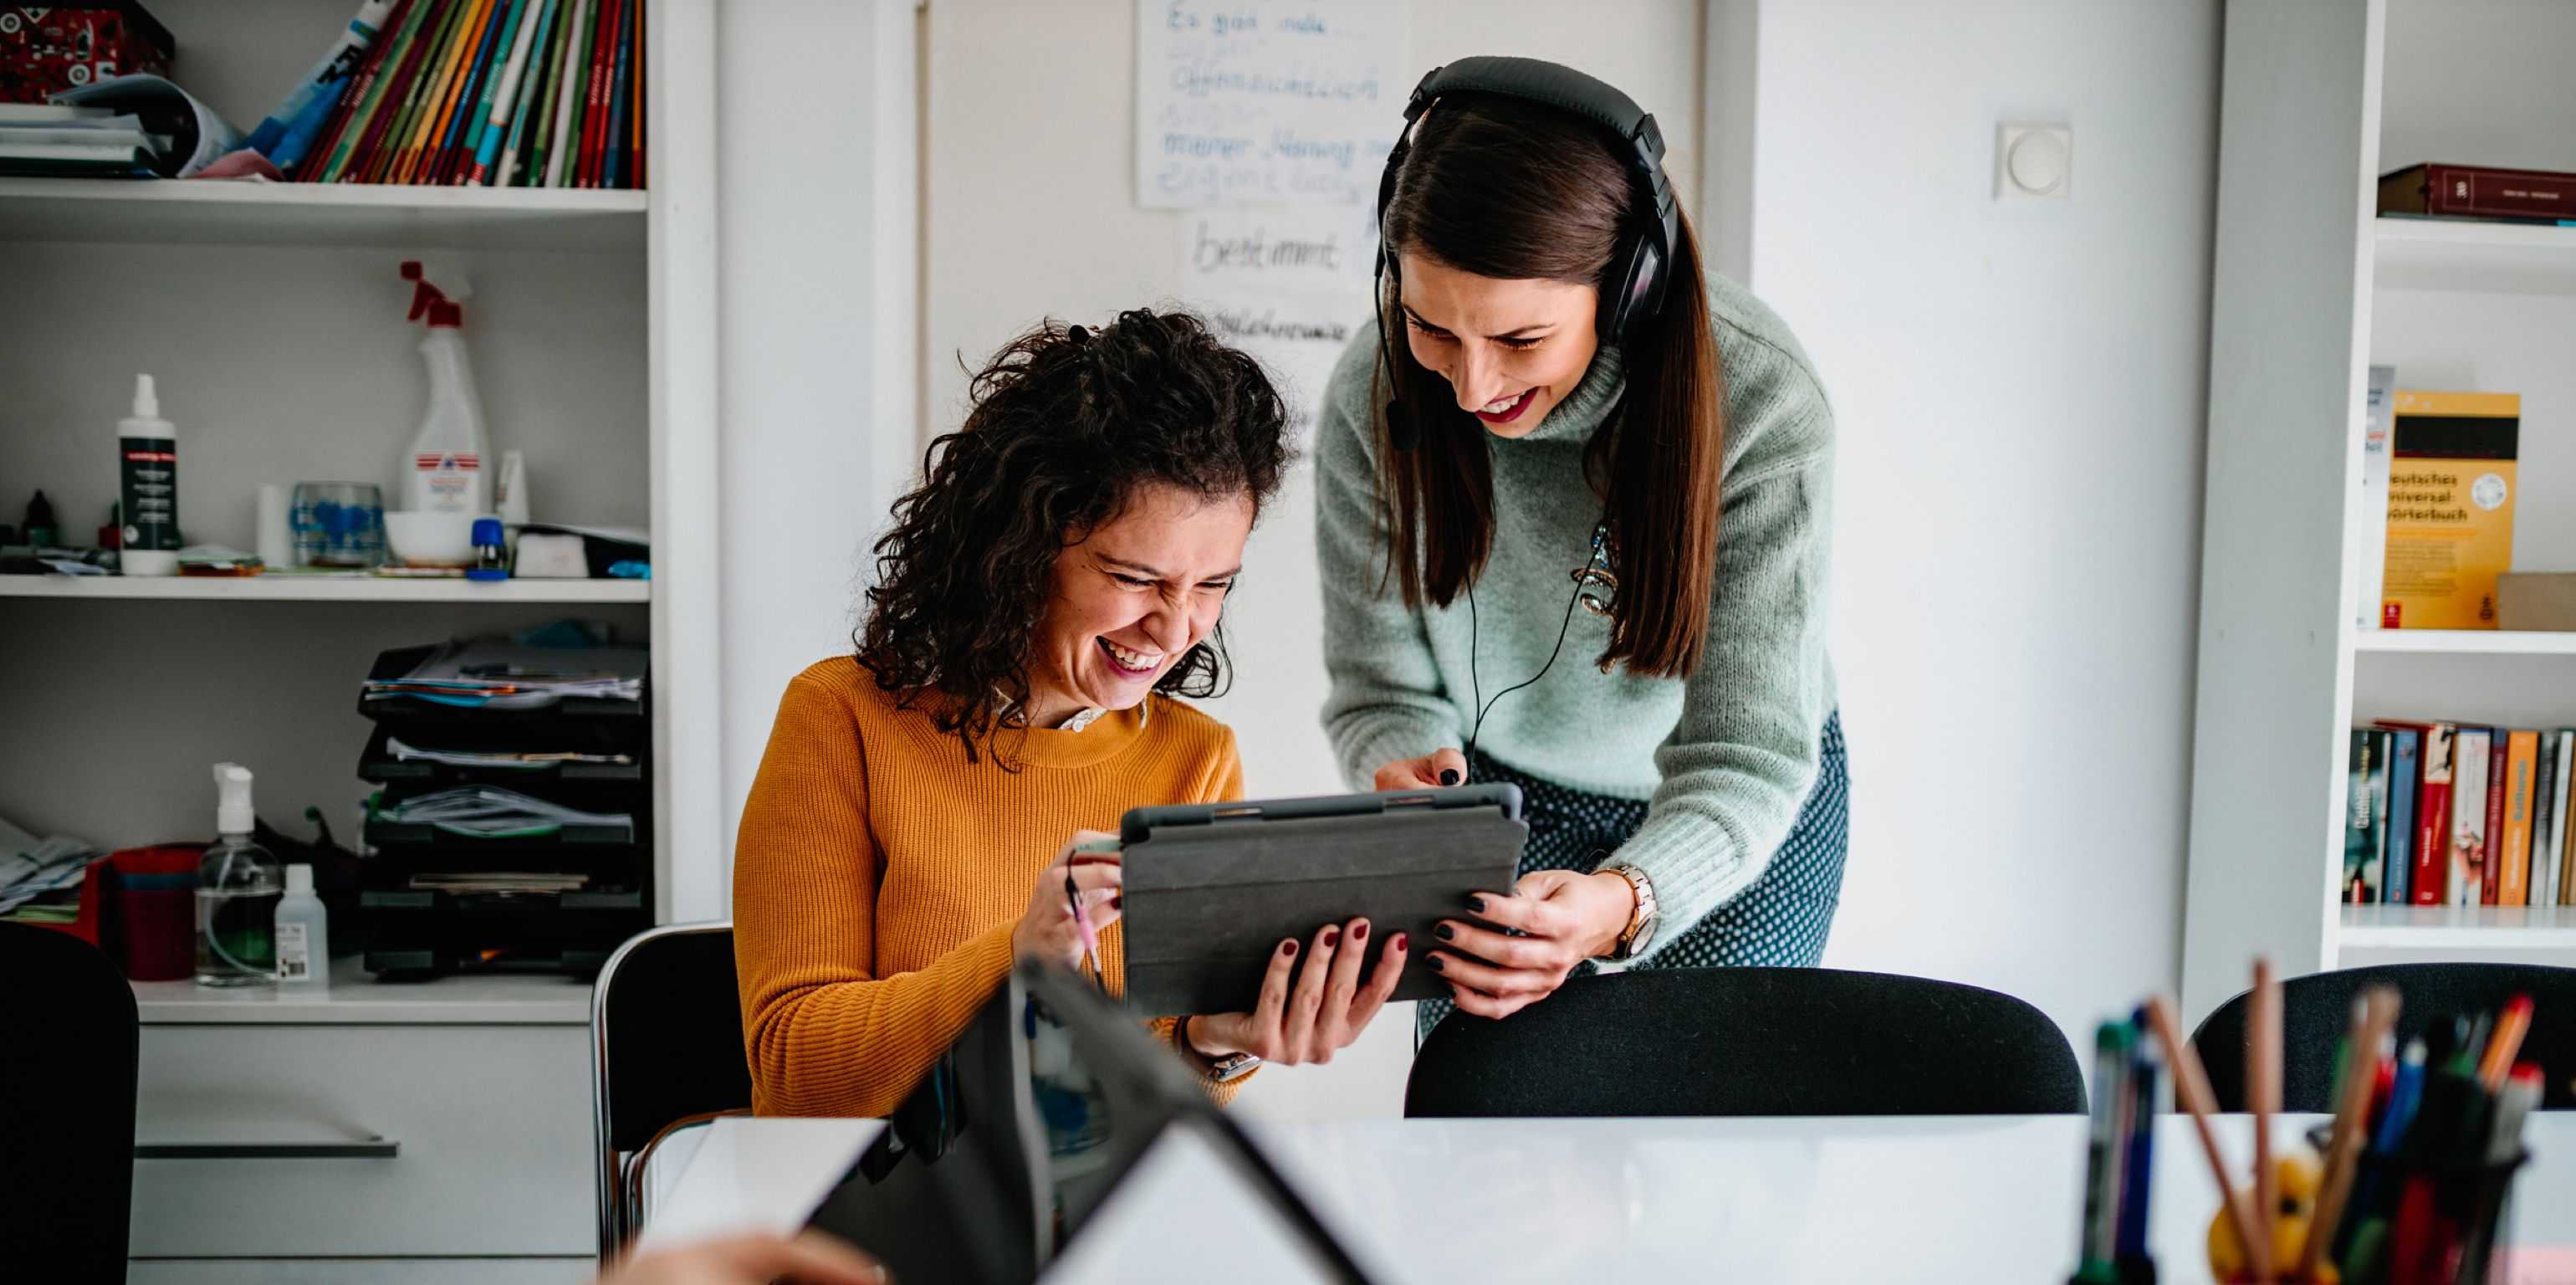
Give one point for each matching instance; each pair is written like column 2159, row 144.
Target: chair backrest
column 67, row 1137
column 2317, row 1009
column 666, row 1043
column 1751, row 1041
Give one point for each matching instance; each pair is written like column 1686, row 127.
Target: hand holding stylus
column 1049, row 929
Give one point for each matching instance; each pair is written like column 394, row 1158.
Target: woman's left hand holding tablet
column 1564, row 917
column 1324, row 1011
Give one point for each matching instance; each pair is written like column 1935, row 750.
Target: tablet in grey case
column 1211, row 889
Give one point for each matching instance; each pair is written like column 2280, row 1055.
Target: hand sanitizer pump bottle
column 238, row 886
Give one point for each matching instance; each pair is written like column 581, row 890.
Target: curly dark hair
column 1066, row 424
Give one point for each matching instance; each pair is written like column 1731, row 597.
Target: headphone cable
column 1475, row 684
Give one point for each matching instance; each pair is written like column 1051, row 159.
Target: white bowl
column 417, row 538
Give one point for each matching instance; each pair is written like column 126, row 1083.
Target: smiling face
column 1132, row 598
column 1510, row 349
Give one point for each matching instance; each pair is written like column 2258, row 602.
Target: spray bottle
column 147, row 468
column 238, row 887
column 444, row 470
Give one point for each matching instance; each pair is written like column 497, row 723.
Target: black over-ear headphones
column 1639, row 263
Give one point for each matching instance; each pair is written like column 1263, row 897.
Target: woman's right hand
column 1046, row 930
column 1327, row 1008
column 1440, row 767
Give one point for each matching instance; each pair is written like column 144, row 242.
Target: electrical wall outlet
column 2033, row 162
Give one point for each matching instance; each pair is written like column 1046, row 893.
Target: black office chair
column 67, row 1073
column 2316, row 1010
column 1751, row 1041
column 666, row 1052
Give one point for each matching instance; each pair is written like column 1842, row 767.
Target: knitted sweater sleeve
column 824, row 1032
column 1386, row 700
column 1739, row 762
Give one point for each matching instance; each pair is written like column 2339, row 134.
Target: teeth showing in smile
column 1501, row 404
column 1132, row 661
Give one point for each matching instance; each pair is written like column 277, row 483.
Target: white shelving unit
column 2310, row 289
column 323, row 589
column 272, row 316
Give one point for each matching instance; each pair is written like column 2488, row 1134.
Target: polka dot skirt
column 1780, row 921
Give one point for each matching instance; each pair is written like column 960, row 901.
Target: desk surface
column 1877, row 1199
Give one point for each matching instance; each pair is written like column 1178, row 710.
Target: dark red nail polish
column 1288, row 948
column 1444, row 932
column 1398, row 943
column 1332, row 938
column 1359, row 931
column 1437, row 966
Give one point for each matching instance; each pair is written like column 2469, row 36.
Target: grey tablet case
column 1211, row 889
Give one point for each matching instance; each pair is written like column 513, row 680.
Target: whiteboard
column 1250, row 100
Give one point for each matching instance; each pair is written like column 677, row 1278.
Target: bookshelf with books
column 272, row 315
column 2314, row 287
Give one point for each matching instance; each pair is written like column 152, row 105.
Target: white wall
column 2021, row 394
column 1030, row 211
column 817, row 232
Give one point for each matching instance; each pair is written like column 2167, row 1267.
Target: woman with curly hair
column 1045, row 593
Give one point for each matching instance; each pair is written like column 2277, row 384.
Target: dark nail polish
column 1448, row 776
column 1288, row 948
column 1118, row 903
column 1398, row 943
column 1359, row 931
column 1332, row 938
column 1475, row 903
column 1444, row 932
column 1437, row 966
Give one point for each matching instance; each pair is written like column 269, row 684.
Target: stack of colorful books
column 2440, row 814
column 491, row 93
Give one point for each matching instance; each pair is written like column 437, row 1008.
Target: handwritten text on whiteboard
column 1269, row 102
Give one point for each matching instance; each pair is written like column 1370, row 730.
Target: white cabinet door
column 394, row 1141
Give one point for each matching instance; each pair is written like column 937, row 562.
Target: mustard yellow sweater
column 878, row 874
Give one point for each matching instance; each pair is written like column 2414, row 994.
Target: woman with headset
column 1573, row 509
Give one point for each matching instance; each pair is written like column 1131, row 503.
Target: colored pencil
column 2191, row 1088
column 2351, row 1122
column 2263, row 1088
column 2507, row 1044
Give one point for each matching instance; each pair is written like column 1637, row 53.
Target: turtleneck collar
column 1585, row 409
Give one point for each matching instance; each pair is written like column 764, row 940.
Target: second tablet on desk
column 1212, row 889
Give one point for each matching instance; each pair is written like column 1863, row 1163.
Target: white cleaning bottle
column 147, row 474
column 444, row 471
column 237, row 893
column 303, row 932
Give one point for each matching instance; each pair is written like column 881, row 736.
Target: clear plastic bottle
column 303, row 933
column 238, row 887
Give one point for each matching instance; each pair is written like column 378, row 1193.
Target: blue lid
column 486, row 573
column 486, row 530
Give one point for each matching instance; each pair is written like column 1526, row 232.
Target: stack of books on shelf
column 490, row 93
column 2445, row 814
column 53, row 140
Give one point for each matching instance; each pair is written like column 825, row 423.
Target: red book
column 594, row 115
column 2432, row 874
column 2492, row 859
column 2478, row 192
column 353, row 95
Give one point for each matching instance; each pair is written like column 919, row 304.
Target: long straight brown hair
column 1517, row 191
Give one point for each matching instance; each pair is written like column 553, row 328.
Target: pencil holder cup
column 2414, row 1221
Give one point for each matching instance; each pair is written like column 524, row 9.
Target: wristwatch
column 1223, row 1070
column 1641, row 921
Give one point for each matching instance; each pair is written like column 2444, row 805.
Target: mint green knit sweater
column 1725, row 756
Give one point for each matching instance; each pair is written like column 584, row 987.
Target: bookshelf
column 2310, row 289
column 192, row 212
column 272, row 316
column 323, row 589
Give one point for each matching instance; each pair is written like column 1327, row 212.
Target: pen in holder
column 2419, row 1221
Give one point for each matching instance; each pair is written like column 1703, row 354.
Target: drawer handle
column 369, row 1148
